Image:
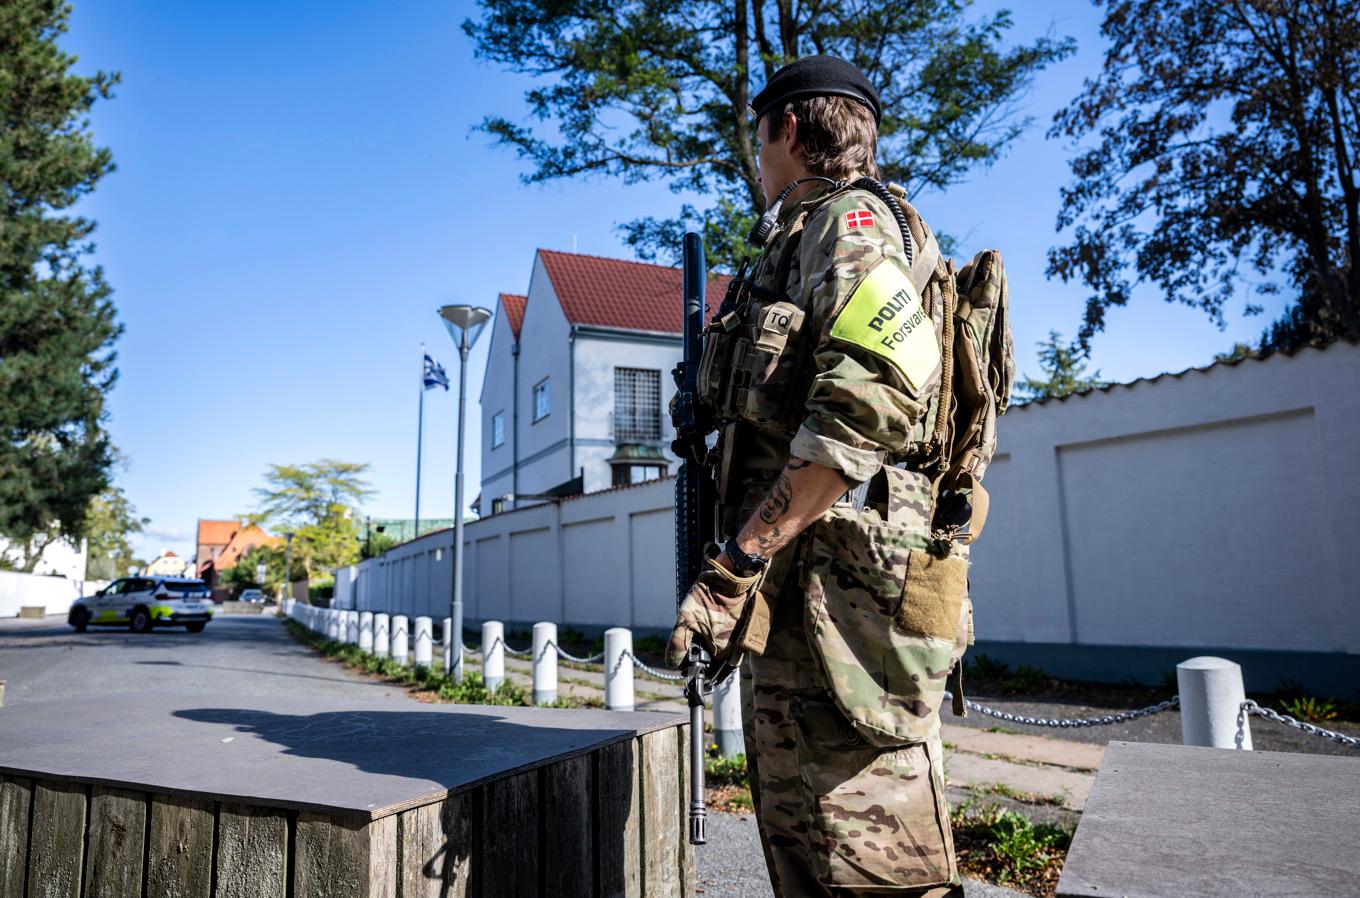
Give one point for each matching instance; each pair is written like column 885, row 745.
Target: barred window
column 637, row 405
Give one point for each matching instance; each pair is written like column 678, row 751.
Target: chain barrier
column 1070, row 722
column 651, row 671
column 588, row 659
column 1250, row 707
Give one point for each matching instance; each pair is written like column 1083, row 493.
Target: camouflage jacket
column 834, row 398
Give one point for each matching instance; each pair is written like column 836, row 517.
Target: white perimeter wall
column 54, row 593
column 1217, row 509
column 599, row 561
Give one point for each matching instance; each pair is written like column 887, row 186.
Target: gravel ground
column 1085, row 700
column 731, row 865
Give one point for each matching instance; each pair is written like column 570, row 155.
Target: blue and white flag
column 434, row 375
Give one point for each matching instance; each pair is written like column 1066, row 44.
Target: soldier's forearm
column 802, row 493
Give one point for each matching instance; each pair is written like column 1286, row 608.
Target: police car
column 140, row 603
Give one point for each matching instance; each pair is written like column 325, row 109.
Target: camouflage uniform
column 841, row 710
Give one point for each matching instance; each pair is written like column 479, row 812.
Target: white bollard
column 493, row 655
column 366, row 631
column 618, row 669
column 727, row 717
column 332, row 625
column 424, row 642
column 545, row 663
column 1211, row 696
column 401, row 638
column 382, row 634
column 352, row 627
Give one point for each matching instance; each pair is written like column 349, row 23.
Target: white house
column 577, row 379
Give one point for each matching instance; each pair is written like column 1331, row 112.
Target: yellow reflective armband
column 885, row 315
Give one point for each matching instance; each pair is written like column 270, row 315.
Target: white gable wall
column 544, row 450
column 498, row 396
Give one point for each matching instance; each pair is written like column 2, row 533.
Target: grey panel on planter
column 365, row 758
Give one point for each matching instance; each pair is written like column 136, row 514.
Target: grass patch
column 720, row 771
column 1008, row 848
column 471, row 691
column 1007, row 791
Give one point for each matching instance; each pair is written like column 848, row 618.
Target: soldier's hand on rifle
column 711, row 612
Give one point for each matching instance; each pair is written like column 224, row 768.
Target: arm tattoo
column 772, row 540
column 777, row 502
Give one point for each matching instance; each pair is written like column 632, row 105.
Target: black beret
column 817, row 76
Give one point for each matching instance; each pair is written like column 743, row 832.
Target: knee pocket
column 878, row 814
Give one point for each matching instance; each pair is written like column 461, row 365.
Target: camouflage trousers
column 838, row 817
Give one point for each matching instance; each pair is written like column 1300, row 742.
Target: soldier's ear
column 791, row 133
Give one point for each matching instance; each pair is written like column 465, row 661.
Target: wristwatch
column 744, row 564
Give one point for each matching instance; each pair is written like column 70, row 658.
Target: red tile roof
column 216, row 533
column 513, row 304
column 620, row 294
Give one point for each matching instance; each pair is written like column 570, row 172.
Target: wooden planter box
column 173, row 796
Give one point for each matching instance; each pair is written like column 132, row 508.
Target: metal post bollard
column 448, row 651
column 382, row 634
column 545, row 663
column 727, row 717
column 618, row 669
column 1211, row 696
column 493, row 655
column 401, row 649
column 366, row 631
column 424, row 642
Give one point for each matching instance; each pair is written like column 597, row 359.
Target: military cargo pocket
column 879, row 819
column 888, row 681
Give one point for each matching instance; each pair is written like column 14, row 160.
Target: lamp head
column 464, row 322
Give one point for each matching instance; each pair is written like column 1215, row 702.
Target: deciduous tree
column 318, row 502
column 1222, row 159
column 645, row 89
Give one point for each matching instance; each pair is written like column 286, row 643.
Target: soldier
column 822, row 380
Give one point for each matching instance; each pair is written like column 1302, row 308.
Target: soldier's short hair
column 838, row 135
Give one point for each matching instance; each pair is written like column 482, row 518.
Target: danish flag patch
column 860, row 218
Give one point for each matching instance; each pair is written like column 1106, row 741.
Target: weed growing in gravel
column 1006, row 847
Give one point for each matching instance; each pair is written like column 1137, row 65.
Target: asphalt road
column 240, row 654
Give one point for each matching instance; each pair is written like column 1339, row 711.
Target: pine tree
column 57, row 322
column 1065, row 369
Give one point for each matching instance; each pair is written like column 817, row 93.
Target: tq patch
column 885, row 315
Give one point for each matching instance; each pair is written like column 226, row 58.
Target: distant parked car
column 141, row 603
column 252, row 595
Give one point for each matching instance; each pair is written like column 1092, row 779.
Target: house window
column 498, row 505
column 637, row 405
column 628, row 474
column 542, row 404
column 497, row 429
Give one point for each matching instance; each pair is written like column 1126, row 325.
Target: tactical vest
column 757, row 361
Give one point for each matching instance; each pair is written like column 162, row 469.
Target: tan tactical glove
column 727, row 614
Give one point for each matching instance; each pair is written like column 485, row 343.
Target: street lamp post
column 287, row 569
column 465, row 325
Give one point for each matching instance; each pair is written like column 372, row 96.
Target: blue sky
column 299, row 188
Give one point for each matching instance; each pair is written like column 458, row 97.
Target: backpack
column 957, row 437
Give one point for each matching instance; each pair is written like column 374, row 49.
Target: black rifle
column 694, row 511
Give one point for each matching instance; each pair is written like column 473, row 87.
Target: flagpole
column 420, row 434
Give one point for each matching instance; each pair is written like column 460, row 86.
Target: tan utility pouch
column 885, row 618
